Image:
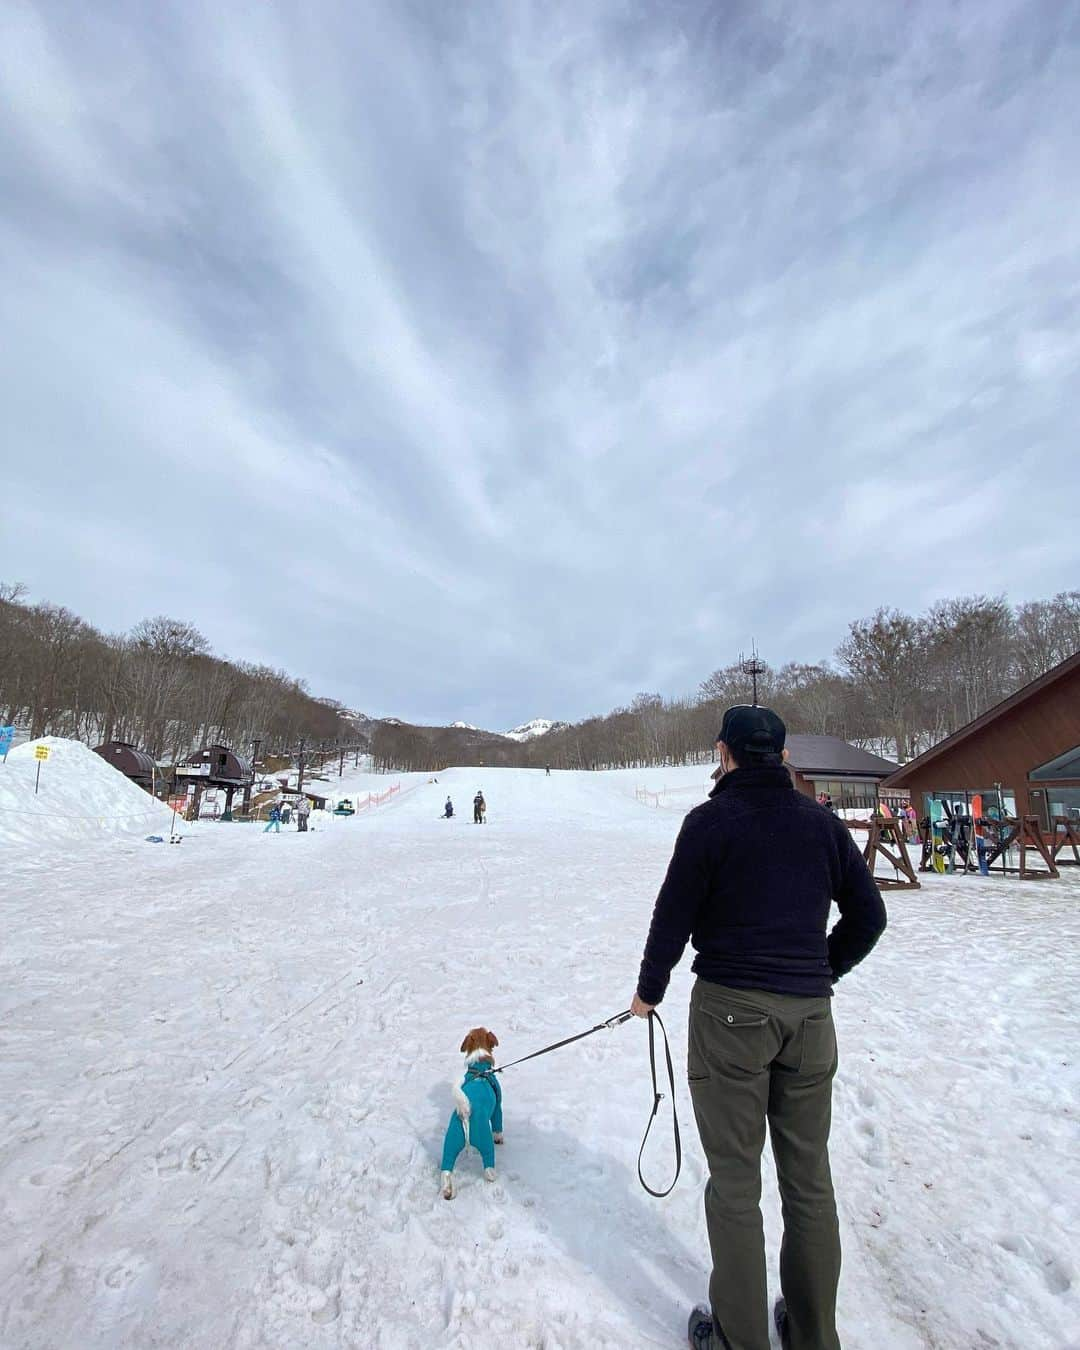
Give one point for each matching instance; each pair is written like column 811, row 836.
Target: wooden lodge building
column 1022, row 755
column 850, row 777
column 827, row 764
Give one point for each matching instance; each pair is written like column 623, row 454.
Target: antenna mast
column 754, row 667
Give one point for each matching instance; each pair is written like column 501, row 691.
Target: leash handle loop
column 658, row 1097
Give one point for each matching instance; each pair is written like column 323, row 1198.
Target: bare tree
column 886, row 654
column 1047, row 632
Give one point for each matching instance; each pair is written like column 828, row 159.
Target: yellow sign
column 41, row 752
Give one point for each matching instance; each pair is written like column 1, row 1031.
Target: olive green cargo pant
column 754, row 1056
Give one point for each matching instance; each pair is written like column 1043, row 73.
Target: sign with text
column 193, row 770
column 7, row 735
column 41, row 752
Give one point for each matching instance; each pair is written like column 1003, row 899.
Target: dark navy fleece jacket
column 754, row 871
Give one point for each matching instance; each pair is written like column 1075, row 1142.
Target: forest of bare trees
column 157, row 686
column 897, row 684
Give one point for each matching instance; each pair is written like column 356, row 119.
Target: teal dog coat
column 483, row 1121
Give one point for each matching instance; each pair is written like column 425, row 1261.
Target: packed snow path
column 226, row 1066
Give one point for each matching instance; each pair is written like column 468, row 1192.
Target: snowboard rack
column 885, row 839
column 1020, row 832
column 1065, row 835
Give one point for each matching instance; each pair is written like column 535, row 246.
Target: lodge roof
column 1070, row 666
column 835, row 757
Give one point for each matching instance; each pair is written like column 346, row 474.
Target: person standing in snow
column 303, row 810
column 273, row 820
column 448, row 810
column 479, row 807
column 753, row 874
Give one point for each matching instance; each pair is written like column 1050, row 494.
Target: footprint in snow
column 870, row 1141
column 1042, row 1259
column 49, row 1176
column 330, row 1310
column 122, row 1270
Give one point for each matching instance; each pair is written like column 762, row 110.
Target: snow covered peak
column 539, row 726
column 464, row 726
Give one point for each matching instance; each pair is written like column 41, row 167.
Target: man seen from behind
column 750, row 884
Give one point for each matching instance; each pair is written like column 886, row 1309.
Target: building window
column 1065, row 802
column 848, row 791
column 1064, row 766
column 962, row 801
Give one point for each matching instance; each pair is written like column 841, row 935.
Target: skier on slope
column 479, row 807
column 448, row 810
column 754, row 872
column 303, row 811
column 273, row 820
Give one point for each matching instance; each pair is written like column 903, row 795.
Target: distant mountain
column 528, row 731
column 465, row 733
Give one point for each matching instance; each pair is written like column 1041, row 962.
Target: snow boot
column 702, row 1333
column 780, row 1318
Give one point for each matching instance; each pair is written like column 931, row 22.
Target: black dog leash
column 658, row 1097
column 601, row 1026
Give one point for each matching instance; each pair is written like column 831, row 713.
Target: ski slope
column 226, row 1070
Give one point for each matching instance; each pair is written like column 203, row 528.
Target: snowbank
column 81, row 796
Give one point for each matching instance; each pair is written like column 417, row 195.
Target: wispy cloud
column 492, row 362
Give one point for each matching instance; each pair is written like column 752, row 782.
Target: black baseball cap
column 751, row 730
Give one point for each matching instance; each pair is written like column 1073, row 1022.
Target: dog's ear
column 465, row 1044
column 493, row 1039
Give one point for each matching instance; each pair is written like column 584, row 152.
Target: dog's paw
column 447, row 1190
column 489, row 1174
column 498, row 1138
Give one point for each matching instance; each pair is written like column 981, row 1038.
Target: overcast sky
column 500, row 360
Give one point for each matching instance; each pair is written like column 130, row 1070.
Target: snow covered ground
column 79, row 797
column 225, row 1074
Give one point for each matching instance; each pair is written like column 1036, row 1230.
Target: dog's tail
column 463, row 1107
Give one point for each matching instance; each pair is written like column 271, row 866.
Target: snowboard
column 980, row 838
column 937, row 836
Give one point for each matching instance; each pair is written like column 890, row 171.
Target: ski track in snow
column 226, row 1069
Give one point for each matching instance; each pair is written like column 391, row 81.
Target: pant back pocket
column 818, row 1043
column 727, row 1036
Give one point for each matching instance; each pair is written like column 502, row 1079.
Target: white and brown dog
column 477, row 1117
